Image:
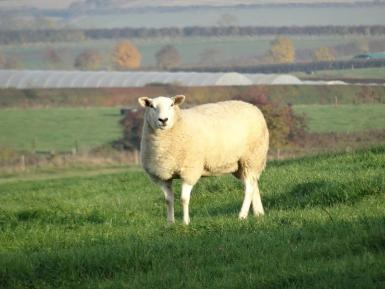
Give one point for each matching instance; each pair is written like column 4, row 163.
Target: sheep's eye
column 172, row 104
column 152, row 106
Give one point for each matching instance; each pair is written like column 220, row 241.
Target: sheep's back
column 227, row 130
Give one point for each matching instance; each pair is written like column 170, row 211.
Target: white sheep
column 210, row 139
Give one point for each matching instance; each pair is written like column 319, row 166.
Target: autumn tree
column 281, row 51
column 285, row 127
column 324, row 54
column 13, row 62
column 52, row 56
column 2, row 59
column 168, row 57
column 88, row 60
column 362, row 45
column 126, row 56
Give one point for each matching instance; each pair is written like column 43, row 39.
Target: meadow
column 62, row 129
column 345, row 118
column 361, row 73
column 324, row 228
column 274, row 15
column 58, row 129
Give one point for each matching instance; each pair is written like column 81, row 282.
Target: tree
column 88, row 60
column 281, row 51
column 285, row 127
column 13, row 62
column 2, row 59
column 126, row 56
column 52, row 56
column 324, row 54
column 168, row 57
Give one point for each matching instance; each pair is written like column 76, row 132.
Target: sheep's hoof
column 242, row 217
column 186, row 222
column 258, row 214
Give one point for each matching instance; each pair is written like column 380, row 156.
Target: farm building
column 91, row 79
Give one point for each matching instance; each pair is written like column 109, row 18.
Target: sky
column 59, row 4
column 48, row 4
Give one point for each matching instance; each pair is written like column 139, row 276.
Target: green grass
column 371, row 73
column 61, row 129
column 343, row 118
column 58, row 128
column 324, row 228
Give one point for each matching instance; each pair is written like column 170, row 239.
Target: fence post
column 136, row 157
column 22, row 162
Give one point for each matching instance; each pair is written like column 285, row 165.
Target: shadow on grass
column 324, row 194
column 211, row 256
column 316, row 194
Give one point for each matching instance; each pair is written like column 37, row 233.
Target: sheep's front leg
column 185, row 199
column 169, row 196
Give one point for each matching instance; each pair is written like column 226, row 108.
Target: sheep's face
column 161, row 111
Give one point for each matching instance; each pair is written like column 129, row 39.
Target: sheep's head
column 161, row 112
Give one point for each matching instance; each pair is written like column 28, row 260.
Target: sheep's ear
column 144, row 101
column 178, row 99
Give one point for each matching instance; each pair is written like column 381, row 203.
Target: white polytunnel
column 23, row 79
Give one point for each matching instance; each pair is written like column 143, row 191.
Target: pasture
column 361, row 73
column 273, row 15
column 324, row 228
column 345, row 118
column 61, row 129
column 58, row 129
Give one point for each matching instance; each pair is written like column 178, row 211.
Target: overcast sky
column 48, row 4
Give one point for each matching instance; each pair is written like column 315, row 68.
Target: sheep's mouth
column 163, row 126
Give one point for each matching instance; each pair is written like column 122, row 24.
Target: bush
column 285, row 127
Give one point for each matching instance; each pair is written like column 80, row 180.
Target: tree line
column 57, row 35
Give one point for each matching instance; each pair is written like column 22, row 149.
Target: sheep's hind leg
column 256, row 201
column 185, row 199
column 169, row 196
column 249, row 188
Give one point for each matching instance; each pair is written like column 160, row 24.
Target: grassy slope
column 343, row 118
column 58, row 128
column 324, row 228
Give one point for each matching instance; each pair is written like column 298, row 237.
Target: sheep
column 205, row 140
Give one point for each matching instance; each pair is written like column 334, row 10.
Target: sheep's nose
column 163, row 120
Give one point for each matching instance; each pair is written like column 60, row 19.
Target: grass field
column 190, row 49
column 343, row 118
column 375, row 73
column 62, row 129
column 244, row 16
column 58, row 128
column 324, row 228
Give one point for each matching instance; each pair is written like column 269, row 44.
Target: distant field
column 58, row 128
column 190, row 49
column 61, row 129
column 324, row 228
column 375, row 73
column 245, row 16
column 343, row 118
